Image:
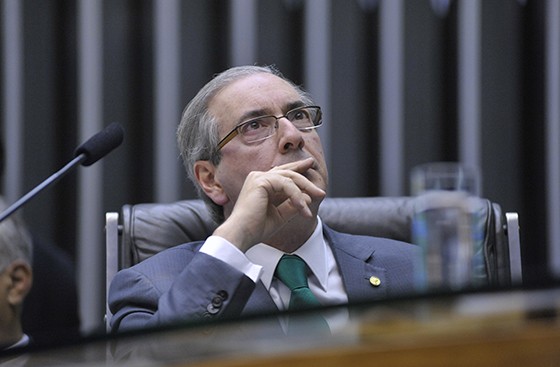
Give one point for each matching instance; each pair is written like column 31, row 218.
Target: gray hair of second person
column 15, row 240
column 198, row 131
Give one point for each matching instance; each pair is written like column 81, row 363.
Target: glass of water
column 444, row 226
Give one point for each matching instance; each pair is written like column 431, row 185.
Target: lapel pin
column 375, row 281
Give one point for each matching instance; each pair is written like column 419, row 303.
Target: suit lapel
column 362, row 279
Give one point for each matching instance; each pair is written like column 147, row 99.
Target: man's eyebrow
column 293, row 105
column 251, row 114
column 262, row 112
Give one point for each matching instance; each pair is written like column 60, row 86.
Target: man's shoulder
column 364, row 242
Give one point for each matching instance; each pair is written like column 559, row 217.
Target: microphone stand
column 52, row 179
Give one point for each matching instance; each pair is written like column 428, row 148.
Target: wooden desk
column 386, row 339
column 508, row 328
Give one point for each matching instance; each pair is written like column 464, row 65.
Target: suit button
column 217, row 301
column 212, row 310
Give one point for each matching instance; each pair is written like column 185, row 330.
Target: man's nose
column 290, row 136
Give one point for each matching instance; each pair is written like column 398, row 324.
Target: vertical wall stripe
column 12, row 84
column 317, row 63
column 167, row 101
column 243, row 32
column 391, row 102
column 552, row 80
column 91, row 260
column 469, row 82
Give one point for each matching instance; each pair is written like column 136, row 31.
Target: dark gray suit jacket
column 181, row 283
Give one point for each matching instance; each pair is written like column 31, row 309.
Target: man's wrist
column 233, row 234
column 221, row 249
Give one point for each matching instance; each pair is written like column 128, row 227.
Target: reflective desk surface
column 512, row 327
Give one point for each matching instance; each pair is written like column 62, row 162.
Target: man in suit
column 44, row 317
column 249, row 143
column 16, row 278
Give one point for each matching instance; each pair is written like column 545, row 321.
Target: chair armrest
column 111, row 258
column 512, row 227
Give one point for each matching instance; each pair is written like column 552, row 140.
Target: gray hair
column 198, row 135
column 15, row 240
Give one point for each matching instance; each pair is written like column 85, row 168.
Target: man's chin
column 315, row 177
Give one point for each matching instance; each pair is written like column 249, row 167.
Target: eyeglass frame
column 235, row 131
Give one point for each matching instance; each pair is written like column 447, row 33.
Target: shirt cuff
column 223, row 250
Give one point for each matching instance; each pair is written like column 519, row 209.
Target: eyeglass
column 260, row 128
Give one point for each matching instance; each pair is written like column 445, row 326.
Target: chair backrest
column 142, row 230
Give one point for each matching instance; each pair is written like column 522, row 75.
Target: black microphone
column 100, row 144
column 86, row 154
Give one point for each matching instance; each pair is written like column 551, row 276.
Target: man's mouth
column 308, row 173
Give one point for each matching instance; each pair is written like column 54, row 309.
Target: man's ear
column 21, row 277
column 205, row 175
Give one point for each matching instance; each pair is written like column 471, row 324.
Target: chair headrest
column 388, row 217
column 151, row 227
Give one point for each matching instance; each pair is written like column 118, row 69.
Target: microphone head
column 101, row 144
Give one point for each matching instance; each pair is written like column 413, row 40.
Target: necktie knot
column 292, row 271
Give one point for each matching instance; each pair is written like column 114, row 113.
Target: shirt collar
column 313, row 251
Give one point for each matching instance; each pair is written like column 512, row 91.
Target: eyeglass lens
column 260, row 128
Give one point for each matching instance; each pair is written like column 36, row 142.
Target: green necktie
column 292, row 271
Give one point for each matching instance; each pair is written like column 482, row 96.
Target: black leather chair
column 142, row 230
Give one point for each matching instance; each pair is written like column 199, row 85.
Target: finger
column 303, row 183
column 297, row 166
column 285, row 191
column 287, row 210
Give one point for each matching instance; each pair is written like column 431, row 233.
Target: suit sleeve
column 170, row 289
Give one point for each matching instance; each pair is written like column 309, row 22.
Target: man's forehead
column 253, row 95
